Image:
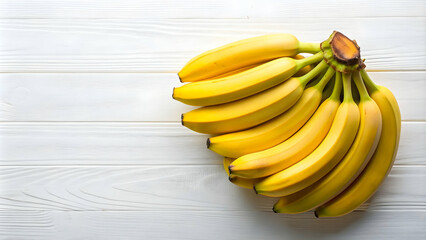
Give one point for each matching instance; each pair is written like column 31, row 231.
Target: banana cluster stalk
column 314, row 131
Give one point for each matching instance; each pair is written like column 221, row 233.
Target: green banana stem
column 356, row 76
column 314, row 72
column 325, row 79
column 347, row 91
column 309, row 47
column 335, row 95
column 301, row 63
column 371, row 86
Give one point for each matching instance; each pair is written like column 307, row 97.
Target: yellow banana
column 250, row 111
column 380, row 164
column 241, row 70
column 241, row 182
column 242, row 84
column 289, row 152
column 327, row 155
column 350, row 166
column 243, row 53
column 301, row 72
column 272, row 132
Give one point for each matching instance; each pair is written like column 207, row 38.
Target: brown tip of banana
column 208, row 143
column 273, row 209
column 173, row 93
column 316, row 214
column 181, row 120
column 180, row 79
column 254, row 188
column 230, row 169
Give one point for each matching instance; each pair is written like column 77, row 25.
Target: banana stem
column 371, row 86
column 314, row 72
column 356, row 76
column 301, row 63
column 325, row 79
column 309, row 47
column 337, row 87
column 347, row 91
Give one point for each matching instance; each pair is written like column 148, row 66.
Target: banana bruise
column 380, row 164
column 323, row 158
column 243, row 53
column 350, row 166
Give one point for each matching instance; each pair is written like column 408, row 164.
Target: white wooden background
column 90, row 141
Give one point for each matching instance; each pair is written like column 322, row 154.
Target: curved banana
column 380, row 164
column 349, row 167
column 323, row 158
column 301, row 72
column 250, row 111
column 289, row 152
column 272, row 132
column 242, row 84
column 243, row 53
column 242, row 70
column 241, row 182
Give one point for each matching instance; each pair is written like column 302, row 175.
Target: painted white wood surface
column 154, row 9
column 204, row 225
column 170, row 188
column 164, row 45
column 115, row 144
column 130, row 97
column 90, row 141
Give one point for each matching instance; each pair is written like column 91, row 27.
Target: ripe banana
column 289, row 152
column 243, row 53
column 380, row 164
column 242, row 70
column 250, row 111
column 272, row 132
column 279, row 121
column 323, row 158
column 301, row 72
column 242, row 84
column 350, row 166
column 242, row 182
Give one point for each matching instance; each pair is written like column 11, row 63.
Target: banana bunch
column 314, row 131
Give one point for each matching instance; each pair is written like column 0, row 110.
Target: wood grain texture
column 137, row 45
column 170, row 188
column 68, row 144
column 90, row 141
column 142, row 97
column 201, row 225
column 153, row 9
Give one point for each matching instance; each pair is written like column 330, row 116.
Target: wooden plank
column 151, row 9
column 137, row 45
column 142, row 97
column 68, row 144
column 204, row 225
column 169, row 188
